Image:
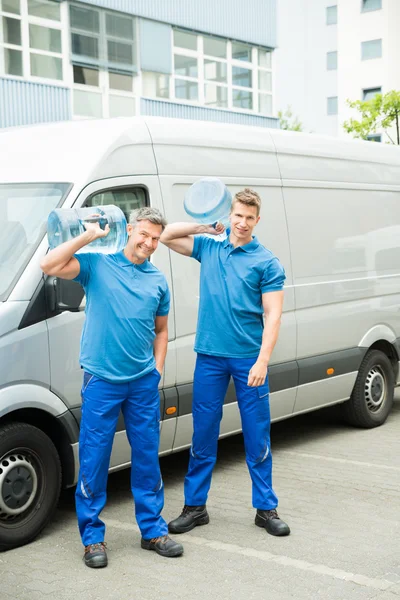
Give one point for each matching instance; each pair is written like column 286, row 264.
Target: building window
column 371, row 93
column 371, row 49
column 331, row 61
column 332, row 105
column 30, row 39
column 368, row 5
column 103, row 47
column 331, row 15
column 103, row 39
column 155, row 85
column 217, row 72
column 374, row 137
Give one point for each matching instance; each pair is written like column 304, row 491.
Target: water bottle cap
column 207, row 200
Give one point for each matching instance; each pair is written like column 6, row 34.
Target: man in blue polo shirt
column 123, row 348
column 240, row 280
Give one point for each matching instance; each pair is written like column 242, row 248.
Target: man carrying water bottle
column 123, row 348
column 239, row 281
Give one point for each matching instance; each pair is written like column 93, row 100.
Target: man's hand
column 211, row 230
column 94, row 227
column 257, row 374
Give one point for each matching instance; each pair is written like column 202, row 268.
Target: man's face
column 243, row 220
column 143, row 239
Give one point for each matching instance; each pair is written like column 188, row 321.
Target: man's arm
column 179, row 236
column 61, row 262
column 161, row 342
column 272, row 305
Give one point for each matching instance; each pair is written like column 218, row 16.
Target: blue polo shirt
column 122, row 302
column 232, row 281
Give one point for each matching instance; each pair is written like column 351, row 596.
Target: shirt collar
column 125, row 262
column 250, row 247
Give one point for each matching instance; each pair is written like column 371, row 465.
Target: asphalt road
column 339, row 490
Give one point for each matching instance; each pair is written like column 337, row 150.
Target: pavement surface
column 339, row 490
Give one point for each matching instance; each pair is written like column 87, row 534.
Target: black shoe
column 270, row 520
column 190, row 517
column 162, row 545
column 95, row 555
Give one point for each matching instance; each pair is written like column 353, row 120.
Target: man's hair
column 249, row 198
column 147, row 213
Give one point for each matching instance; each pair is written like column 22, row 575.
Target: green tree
column 288, row 121
column 381, row 112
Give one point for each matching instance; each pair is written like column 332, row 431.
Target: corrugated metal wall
column 251, row 21
column 183, row 111
column 26, row 103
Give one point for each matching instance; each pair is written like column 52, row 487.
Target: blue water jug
column 208, row 201
column 64, row 224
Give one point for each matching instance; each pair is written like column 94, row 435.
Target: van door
column 272, row 232
column 65, row 329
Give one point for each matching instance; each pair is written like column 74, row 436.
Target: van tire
column 372, row 398
column 30, row 483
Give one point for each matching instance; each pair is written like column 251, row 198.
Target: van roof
column 86, row 150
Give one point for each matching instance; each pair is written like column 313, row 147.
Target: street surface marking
column 377, row 584
column 339, row 460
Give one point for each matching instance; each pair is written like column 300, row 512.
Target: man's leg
column 211, row 380
column 255, row 414
column 141, row 411
column 210, row 384
column 101, row 403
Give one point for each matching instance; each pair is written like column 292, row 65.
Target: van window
column 24, row 208
column 127, row 199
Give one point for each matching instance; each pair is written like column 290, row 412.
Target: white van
column 331, row 213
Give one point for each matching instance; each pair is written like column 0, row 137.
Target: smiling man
column 123, row 348
column 240, row 280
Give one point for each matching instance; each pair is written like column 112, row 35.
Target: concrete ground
column 339, row 490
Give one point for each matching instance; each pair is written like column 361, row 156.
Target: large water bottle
column 64, row 224
column 208, row 201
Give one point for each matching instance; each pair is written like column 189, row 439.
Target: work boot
column 163, row 545
column 270, row 520
column 190, row 517
column 95, row 555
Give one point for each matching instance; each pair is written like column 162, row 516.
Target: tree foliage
column 380, row 112
column 288, row 121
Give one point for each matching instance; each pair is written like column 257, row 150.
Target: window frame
column 365, row 10
column 366, row 90
column 201, row 79
column 363, row 45
column 332, row 114
column 26, row 20
column 328, row 21
column 332, row 60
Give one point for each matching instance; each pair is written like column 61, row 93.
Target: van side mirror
column 63, row 294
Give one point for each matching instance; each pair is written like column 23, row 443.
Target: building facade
column 331, row 51
column 208, row 60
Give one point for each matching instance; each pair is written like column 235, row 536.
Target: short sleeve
column 86, row 266
column 163, row 307
column 273, row 277
column 199, row 245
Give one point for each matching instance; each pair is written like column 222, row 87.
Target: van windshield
column 24, row 208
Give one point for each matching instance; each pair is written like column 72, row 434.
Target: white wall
column 354, row 74
column 302, row 79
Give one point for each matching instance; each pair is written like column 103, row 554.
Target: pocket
column 263, row 390
column 157, row 373
column 87, row 378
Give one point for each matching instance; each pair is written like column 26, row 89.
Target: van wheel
column 372, row 397
column 30, row 483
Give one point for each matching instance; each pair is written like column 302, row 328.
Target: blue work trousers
column 211, row 380
column 101, row 404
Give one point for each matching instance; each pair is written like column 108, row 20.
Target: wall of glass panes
column 104, row 51
column 221, row 73
column 31, row 39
